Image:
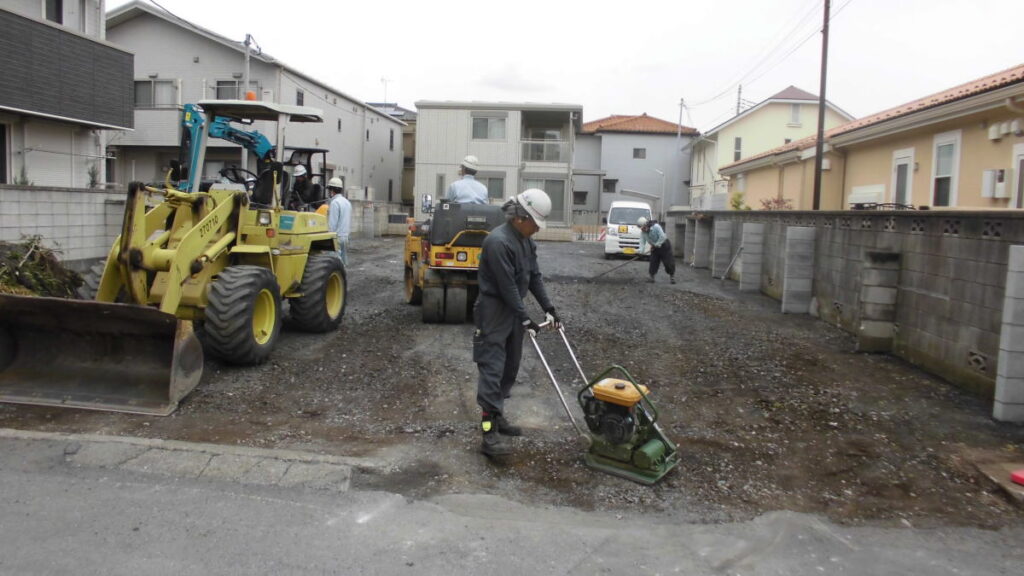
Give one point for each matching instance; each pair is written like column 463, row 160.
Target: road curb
column 242, row 464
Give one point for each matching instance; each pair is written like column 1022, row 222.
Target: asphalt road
column 68, row 507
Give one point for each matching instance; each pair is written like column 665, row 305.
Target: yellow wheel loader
column 221, row 256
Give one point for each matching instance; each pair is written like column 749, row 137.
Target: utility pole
column 243, row 93
column 819, row 146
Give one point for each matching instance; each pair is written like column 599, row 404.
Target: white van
column 622, row 235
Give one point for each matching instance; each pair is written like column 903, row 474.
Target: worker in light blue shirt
column 339, row 216
column 661, row 248
column 467, row 190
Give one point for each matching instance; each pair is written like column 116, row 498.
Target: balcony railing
column 545, row 151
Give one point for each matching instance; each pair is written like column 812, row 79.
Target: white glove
column 552, row 320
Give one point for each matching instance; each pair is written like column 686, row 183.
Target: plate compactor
column 623, row 437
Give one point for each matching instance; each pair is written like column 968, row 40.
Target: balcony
column 551, row 151
column 56, row 73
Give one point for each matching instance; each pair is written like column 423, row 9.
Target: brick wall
column 949, row 271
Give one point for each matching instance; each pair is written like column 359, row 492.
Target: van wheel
column 243, row 317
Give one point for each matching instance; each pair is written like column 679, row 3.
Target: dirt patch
column 771, row 411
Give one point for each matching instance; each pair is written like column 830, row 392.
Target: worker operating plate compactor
column 622, row 437
column 222, row 255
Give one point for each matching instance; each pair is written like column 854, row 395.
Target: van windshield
column 622, row 215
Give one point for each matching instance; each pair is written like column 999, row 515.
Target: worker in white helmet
column 301, row 187
column 467, row 190
column 339, row 216
column 661, row 248
column 508, row 269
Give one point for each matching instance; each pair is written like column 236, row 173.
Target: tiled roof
column 991, row 82
column 642, row 124
column 972, row 88
column 794, row 93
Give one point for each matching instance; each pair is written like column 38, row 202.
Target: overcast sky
column 627, row 57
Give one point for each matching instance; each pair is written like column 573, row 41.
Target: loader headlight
column 264, row 218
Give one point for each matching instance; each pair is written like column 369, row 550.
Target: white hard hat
column 471, row 162
column 335, row 183
column 300, row 170
column 641, row 221
column 536, row 203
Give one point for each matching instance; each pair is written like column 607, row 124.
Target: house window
column 556, row 191
column 231, row 89
column 495, row 186
column 488, row 127
column 787, row 140
column 579, row 198
column 367, row 134
column 391, row 189
column 608, row 186
column 300, row 97
column 737, row 150
column 155, row 94
column 339, row 124
column 55, row 11
column 439, row 189
column 945, row 168
column 639, row 153
column 391, row 140
column 902, row 183
column 794, row 114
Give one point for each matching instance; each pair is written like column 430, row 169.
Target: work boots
column 672, row 279
column 505, row 428
column 651, row 279
column 493, row 444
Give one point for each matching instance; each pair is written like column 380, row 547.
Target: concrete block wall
column 702, row 243
column 752, row 256
column 1009, row 393
column 798, row 278
column 689, row 240
column 721, row 248
column 80, row 223
column 951, row 291
column 878, row 295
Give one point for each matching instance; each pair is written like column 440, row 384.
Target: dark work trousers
column 497, row 354
column 662, row 254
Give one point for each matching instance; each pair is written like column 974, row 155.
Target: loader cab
column 271, row 186
column 315, row 194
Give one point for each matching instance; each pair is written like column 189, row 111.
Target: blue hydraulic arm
column 193, row 145
column 254, row 141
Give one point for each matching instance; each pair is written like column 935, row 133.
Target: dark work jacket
column 508, row 269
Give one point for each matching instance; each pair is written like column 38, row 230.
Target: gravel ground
column 771, row 411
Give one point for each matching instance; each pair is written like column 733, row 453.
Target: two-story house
column 961, row 148
column 519, row 146
column 632, row 158
column 178, row 62
column 786, row 117
column 63, row 88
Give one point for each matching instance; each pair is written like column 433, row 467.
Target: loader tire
column 413, row 292
column 324, row 294
column 243, row 317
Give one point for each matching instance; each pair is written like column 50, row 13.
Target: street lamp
column 664, row 212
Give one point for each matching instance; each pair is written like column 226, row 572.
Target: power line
column 744, row 78
column 780, row 42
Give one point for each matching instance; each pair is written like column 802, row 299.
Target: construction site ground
column 771, row 412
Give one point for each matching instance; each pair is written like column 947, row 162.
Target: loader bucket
column 95, row 355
